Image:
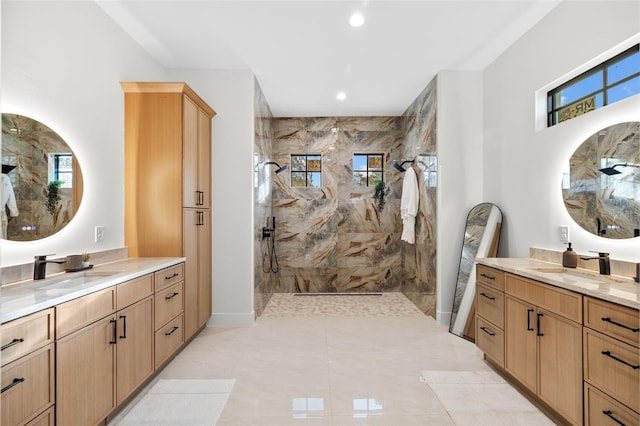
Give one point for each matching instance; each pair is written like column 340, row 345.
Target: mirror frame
column 481, row 239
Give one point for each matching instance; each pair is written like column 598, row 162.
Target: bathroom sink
column 569, row 274
column 73, row 280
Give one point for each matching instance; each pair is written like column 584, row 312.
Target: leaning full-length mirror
column 601, row 189
column 41, row 180
column 481, row 239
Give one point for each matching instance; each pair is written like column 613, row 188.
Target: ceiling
column 304, row 52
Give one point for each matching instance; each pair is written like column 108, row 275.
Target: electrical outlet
column 564, row 233
column 99, row 235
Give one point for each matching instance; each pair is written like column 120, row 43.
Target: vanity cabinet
column 105, row 350
column 543, row 343
column 490, row 313
column 27, row 373
column 611, row 363
column 168, row 185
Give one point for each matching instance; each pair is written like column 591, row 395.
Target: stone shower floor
column 336, row 304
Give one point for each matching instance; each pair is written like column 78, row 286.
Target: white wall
column 230, row 94
column 459, row 95
column 522, row 166
column 61, row 64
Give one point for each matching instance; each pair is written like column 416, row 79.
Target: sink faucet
column 603, row 262
column 40, row 266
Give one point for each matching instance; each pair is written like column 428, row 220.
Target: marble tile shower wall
column 419, row 127
column 334, row 238
column 264, row 283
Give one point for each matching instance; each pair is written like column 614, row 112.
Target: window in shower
column 367, row 169
column 306, row 170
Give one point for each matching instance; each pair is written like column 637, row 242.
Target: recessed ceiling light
column 356, row 20
column 341, row 96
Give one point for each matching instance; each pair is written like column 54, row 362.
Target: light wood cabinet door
column 196, row 156
column 134, row 350
column 191, row 191
column 197, row 284
column 204, row 270
column 85, row 379
column 191, row 247
column 559, row 364
column 168, row 339
column 27, row 387
column 204, row 158
column 521, row 341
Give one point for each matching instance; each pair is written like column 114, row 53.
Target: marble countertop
column 621, row 290
column 26, row 297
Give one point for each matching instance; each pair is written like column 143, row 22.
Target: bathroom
column 489, row 147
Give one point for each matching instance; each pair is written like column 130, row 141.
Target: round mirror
column 601, row 190
column 41, row 180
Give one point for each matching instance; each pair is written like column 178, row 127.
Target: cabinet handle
column 201, row 198
column 115, row 331
column 610, row 415
column 488, row 276
column 171, row 296
column 175, row 274
column 11, row 343
column 488, row 297
column 173, row 330
column 12, row 384
column 124, row 326
column 487, row 331
column 529, row 328
column 539, row 314
column 609, row 320
column 608, row 353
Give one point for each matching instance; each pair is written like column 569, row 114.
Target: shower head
column 610, row 171
column 280, row 168
column 399, row 167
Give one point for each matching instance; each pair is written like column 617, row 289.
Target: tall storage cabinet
column 168, row 185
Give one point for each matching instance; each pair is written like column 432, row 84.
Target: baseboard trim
column 231, row 320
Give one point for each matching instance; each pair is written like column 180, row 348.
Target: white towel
column 409, row 205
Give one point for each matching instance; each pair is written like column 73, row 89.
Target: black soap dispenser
column 569, row 258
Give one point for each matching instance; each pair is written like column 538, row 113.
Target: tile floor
column 331, row 360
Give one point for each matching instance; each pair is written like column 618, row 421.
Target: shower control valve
column 266, row 232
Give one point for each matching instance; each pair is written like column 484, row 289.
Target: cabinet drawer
column 168, row 304
column 77, row 313
column 169, row 276
column 613, row 320
column 609, row 366
column 562, row 302
column 600, row 409
column 490, row 276
column 168, row 340
column 27, row 386
column 490, row 304
column 132, row 291
column 24, row 335
column 490, row 340
column 48, row 418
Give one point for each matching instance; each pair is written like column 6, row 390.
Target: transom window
column 306, row 170
column 367, row 169
column 611, row 81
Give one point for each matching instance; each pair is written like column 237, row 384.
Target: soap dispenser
column 569, row 258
